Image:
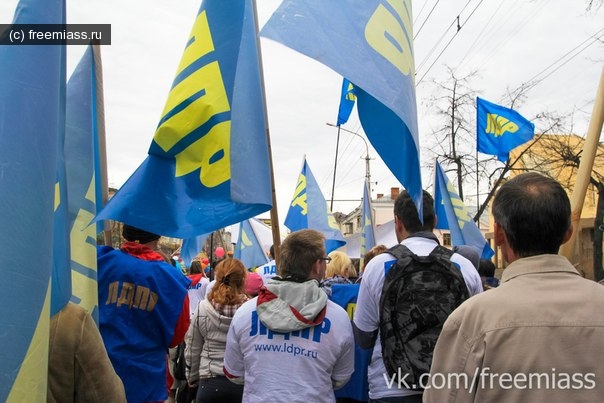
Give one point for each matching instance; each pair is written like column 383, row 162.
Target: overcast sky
column 507, row 42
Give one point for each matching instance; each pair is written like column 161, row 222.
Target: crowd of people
column 301, row 331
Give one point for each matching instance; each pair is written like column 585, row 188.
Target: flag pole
column 584, row 172
column 477, row 190
column 335, row 166
column 274, row 214
column 101, row 169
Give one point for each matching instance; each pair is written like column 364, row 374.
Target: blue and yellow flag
column 367, row 227
column 499, row 129
column 452, row 214
column 32, row 107
column 309, row 209
column 81, row 157
column 371, row 44
column 208, row 164
column 347, row 100
column 357, row 387
column 248, row 248
column 191, row 247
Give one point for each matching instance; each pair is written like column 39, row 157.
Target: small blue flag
column 367, row 227
column 248, row 248
column 309, row 209
column 191, row 247
column 32, row 124
column 346, row 102
column 452, row 214
column 210, row 151
column 499, row 129
column 371, row 44
column 357, row 387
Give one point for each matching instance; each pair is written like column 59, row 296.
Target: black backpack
column 418, row 295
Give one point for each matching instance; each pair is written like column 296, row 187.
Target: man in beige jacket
column 538, row 336
column 79, row 370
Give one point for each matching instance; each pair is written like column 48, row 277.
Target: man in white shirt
column 291, row 343
column 420, row 240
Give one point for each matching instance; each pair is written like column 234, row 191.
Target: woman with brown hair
column 206, row 338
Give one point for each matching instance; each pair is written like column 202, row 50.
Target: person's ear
column 498, row 234
column 568, row 234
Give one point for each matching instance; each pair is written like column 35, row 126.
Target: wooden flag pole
column 274, row 215
column 584, row 172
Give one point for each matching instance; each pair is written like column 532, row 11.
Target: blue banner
column 208, row 164
column 309, row 209
column 346, row 102
column 371, row 44
column 191, row 247
column 32, row 107
column 357, row 387
column 499, row 129
column 81, row 130
column 248, row 248
column 452, row 214
column 367, row 227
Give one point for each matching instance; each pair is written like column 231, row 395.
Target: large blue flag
column 32, row 90
column 208, row 164
column 367, row 227
column 309, row 209
column 453, row 215
column 371, row 44
column 81, row 159
column 346, row 102
column 248, row 248
column 499, row 129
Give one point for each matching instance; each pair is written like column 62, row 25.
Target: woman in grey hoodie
column 206, row 337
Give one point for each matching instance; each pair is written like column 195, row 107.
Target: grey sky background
column 507, row 42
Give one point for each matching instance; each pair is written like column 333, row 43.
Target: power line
column 533, row 81
column 426, row 20
column 459, row 26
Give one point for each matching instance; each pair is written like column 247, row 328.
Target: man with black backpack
column 405, row 296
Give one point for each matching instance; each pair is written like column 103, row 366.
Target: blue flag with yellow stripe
column 347, row 100
column 248, row 248
column 308, row 209
column 32, row 106
column 453, row 215
column 499, row 129
column 208, row 164
column 81, row 149
column 371, row 44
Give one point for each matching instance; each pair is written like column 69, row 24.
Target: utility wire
column 426, row 20
column 459, row 26
column 533, row 81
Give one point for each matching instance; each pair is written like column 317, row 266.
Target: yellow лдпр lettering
column 200, row 96
column 385, row 34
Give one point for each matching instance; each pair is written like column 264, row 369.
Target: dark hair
column 134, row 234
column 534, row 212
column 406, row 212
column 271, row 251
column 195, row 267
column 299, row 251
column 486, row 268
